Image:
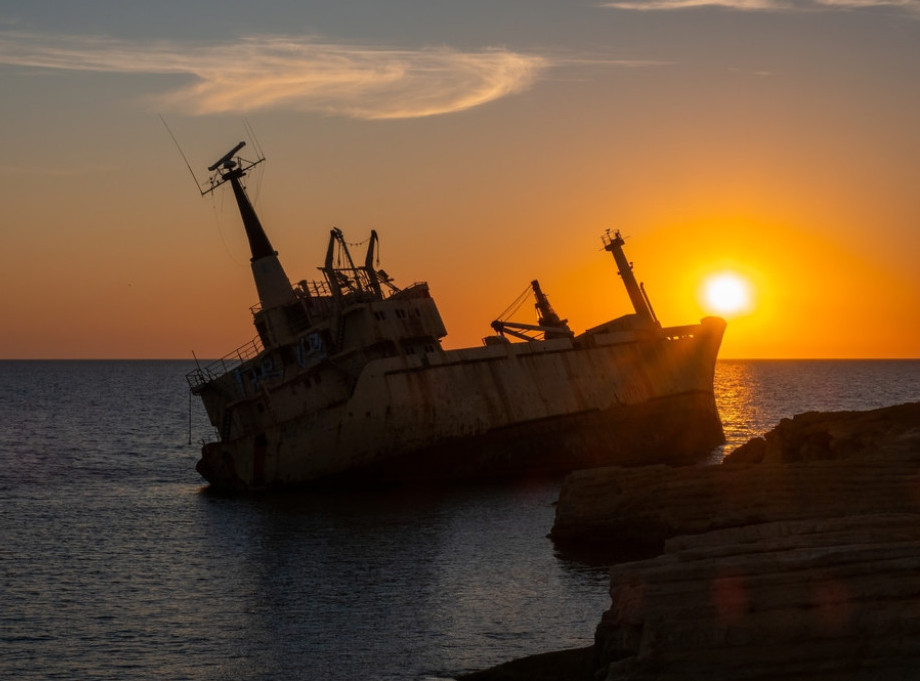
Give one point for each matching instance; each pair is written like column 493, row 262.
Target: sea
column 117, row 563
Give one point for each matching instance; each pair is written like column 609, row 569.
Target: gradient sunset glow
column 487, row 144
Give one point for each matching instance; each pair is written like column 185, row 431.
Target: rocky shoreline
column 797, row 558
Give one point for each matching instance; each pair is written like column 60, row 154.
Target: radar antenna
column 227, row 167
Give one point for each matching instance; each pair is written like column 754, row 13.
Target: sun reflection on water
column 754, row 395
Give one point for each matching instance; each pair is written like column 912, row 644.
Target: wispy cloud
column 305, row 74
column 911, row 6
column 657, row 5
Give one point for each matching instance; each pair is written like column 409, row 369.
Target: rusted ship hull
column 348, row 380
column 499, row 410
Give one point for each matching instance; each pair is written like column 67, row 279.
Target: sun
column 726, row 293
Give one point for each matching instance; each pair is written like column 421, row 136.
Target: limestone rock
column 615, row 510
column 889, row 433
column 798, row 558
column 579, row 664
column 815, row 599
column 823, row 465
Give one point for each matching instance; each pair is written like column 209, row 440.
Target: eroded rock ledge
column 798, row 558
column 814, row 465
column 835, row 598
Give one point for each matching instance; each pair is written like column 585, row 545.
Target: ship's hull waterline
column 517, row 409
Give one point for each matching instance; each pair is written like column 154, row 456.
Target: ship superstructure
column 347, row 380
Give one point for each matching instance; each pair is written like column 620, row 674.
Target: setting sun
column 726, row 293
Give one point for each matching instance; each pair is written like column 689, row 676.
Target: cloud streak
column 658, row 5
column 300, row 74
column 911, row 6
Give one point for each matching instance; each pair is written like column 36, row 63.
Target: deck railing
column 229, row 362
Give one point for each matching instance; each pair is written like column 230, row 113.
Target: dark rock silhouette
column 886, row 435
column 797, row 558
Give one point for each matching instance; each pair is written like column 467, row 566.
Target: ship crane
column 343, row 276
column 549, row 323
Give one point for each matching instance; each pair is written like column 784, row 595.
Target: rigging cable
column 252, row 133
column 515, row 306
column 181, row 153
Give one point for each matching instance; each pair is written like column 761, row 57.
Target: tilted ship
column 347, row 381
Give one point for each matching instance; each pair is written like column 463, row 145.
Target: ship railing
column 314, row 292
column 418, row 289
column 312, row 289
column 225, row 364
column 317, row 295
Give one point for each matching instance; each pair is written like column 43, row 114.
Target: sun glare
column 726, row 293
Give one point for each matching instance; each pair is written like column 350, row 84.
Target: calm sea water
column 115, row 565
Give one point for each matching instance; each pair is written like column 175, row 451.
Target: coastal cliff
column 797, row 558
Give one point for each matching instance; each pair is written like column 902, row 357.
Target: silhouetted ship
column 347, row 381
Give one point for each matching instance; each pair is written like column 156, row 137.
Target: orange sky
column 486, row 151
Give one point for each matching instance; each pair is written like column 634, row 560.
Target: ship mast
column 636, row 291
column 272, row 282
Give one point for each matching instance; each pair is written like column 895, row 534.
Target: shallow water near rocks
column 116, row 564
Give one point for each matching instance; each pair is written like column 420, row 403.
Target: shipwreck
column 347, row 381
